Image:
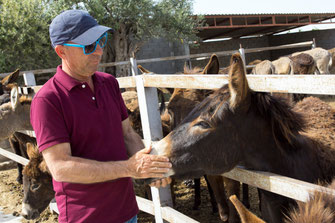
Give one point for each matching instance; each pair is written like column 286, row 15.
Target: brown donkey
column 37, row 182
column 237, row 125
column 14, row 114
column 181, row 103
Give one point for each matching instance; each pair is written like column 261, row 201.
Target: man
column 83, row 131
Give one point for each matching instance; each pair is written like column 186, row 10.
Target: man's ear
column 60, row 50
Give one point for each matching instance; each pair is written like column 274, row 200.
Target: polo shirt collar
column 69, row 82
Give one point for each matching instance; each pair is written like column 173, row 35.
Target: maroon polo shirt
column 65, row 110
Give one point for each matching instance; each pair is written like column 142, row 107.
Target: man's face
column 81, row 65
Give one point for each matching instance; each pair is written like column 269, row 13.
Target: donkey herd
column 207, row 133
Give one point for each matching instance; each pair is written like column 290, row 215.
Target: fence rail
column 183, row 57
column 303, row 84
column 298, row 84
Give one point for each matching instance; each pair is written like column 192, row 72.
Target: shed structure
column 242, row 25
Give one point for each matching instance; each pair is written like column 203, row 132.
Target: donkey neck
column 305, row 159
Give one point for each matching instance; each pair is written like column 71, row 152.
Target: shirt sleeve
column 48, row 123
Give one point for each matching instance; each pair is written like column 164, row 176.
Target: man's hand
column 162, row 182
column 143, row 165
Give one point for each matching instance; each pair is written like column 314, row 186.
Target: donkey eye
column 203, row 125
column 35, row 187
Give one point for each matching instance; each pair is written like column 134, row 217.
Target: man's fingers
column 159, row 170
column 161, row 164
column 161, row 183
column 156, row 183
column 159, row 158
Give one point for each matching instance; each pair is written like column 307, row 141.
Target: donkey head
column 37, row 184
column 208, row 140
column 6, row 84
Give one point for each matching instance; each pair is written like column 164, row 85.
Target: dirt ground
column 11, row 192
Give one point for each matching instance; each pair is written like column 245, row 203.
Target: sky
column 267, row 6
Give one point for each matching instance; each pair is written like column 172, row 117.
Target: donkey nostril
column 24, row 215
column 35, row 214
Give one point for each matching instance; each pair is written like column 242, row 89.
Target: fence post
column 241, row 50
column 29, row 79
column 152, row 131
column 314, row 43
column 187, row 52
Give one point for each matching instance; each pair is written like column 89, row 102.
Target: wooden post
column 314, row 43
column 187, row 52
column 29, row 79
column 152, row 131
column 241, row 50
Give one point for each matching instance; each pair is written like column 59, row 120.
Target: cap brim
column 91, row 35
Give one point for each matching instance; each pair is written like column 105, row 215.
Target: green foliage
column 24, row 41
column 24, row 24
column 147, row 19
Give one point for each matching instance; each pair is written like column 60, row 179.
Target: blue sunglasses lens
column 103, row 40
column 91, row 48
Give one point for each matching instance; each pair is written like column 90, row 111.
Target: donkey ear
column 245, row 215
column 238, row 84
column 14, row 97
column 43, row 167
column 11, row 77
column 32, row 151
column 213, row 66
column 143, row 70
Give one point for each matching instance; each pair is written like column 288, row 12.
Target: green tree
column 24, row 40
column 137, row 21
column 24, row 35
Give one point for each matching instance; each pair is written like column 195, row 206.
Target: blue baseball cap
column 77, row 26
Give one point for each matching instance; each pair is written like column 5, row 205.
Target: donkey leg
column 173, row 194
column 197, row 198
column 245, row 191
column 217, row 185
column 15, row 145
column 212, row 196
column 147, row 192
column 232, row 187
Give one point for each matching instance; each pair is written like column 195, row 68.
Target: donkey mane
column 319, row 208
column 25, row 99
column 285, row 123
column 195, row 70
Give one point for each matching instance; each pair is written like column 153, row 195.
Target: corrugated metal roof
column 241, row 25
column 243, row 14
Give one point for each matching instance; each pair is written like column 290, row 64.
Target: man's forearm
column 85, row 171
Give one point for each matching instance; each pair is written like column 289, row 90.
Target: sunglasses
column 91, row 48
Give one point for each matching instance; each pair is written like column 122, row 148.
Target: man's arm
column 132, row 140
column 66, row 168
